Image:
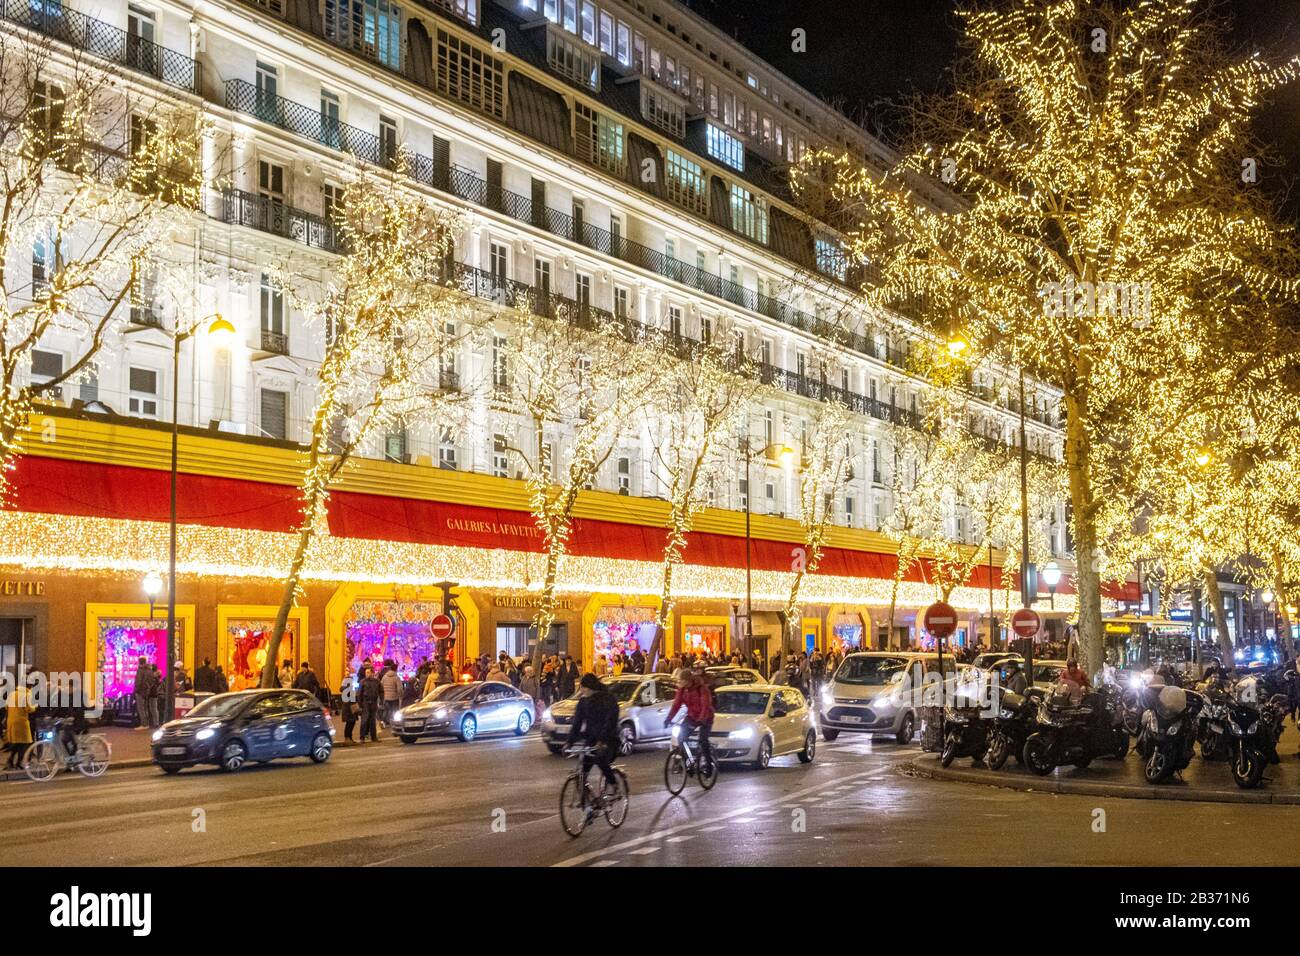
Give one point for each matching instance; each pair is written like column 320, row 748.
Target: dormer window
column 725, row 148
column 572, row 59
column 663, row 109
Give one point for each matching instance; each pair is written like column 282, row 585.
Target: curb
column 6, row 775
column 928, row 766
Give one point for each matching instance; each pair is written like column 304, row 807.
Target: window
column 143, row 398
column 271, row 303
column 830, row 259
column 387, row 141
column 572, row 60
column 144, row 277
column 395, row 446
column 141, row 40
column 748, row 214
column 500, row 364
column 621, row 51
column 372, row 28
column 675, row 327
column 500, row 459
column 582, row 291
column 499, row 261
column 685, row 182
column 447, row 449
column 849, row 510
column 570, row 15
column 624, row 476
column 606, row 34
column 670, row 248
column 600, row 139
column 331, row 123
column 466, row 73
column 589, row 22
column 331, row 201
column 47, row 366
column 767, row 426
column 706, row 329
column 660, row 108
column 620, row 303
column 744, row 495
column 724, row 147
column 268, row 90
column 542, row 276
column 275, row 413
column 44, row 264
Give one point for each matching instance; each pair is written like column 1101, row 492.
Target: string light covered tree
column 571, row 373
column 1092, row 209
column 385, row 316
column 823, row 473
column 97, row 184
column 711, row 396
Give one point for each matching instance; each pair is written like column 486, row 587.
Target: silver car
column 870, row 693
column 643, row 703
column 465, row 711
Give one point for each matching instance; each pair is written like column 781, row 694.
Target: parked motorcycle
column 1076, row 732
column 965, row 733
column 1252, row 732
column 1015, row 721
column 1212, row 729
column 1167, row 741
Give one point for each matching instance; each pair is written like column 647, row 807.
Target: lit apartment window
column 395, row 446
column 662, row 109
column 685, row 182
column 44, row 264
column 606, row 34
column 466, row 73
column 830, row 259
column 573, row 61
column 725, row 148
column 748, row 214
column 372, row 28
column 588, row 22
column 468, row 9
column 600, row 140
column 143, row 398
column 622, row 45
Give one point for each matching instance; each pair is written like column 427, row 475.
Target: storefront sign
column 497, row 529
column 15, row 587
column 561, row 604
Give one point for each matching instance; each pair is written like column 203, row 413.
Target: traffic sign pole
column 940, row 620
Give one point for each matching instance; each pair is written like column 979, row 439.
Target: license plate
column 851, row 719
column 172, row 751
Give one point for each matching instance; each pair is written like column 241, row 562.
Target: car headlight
column 207, row 733
column 157, row 735
column 828, row 696
column 1136, row 682
column 744, row 733
column 397, row 717
column 546, row 714
column 440, row 713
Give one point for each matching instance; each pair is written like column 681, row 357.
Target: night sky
column 863, row 51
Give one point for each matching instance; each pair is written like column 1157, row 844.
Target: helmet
column 1171, row 702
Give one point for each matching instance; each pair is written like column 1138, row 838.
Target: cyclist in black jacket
column 595, row 722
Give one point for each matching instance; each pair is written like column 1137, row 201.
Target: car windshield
column 743, row 702
column 870, row 671
column 1047, row 673
column 988, row 660
column 622, row 689
column 722, row 678
column 223, row 705
column 450, row 692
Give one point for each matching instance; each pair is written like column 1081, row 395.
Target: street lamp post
column 1052, row 577
column 786, row 453
column 152, row 588
column 219, row 329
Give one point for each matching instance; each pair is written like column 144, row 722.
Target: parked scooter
column 1252, row 732
column 1167, row 741
column 965, row 733
column 1016, row 719
column 1076, row 732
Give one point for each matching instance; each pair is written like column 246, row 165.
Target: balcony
column 240, row 208
column 105, row 41
column 146, row 316
column 276, row 343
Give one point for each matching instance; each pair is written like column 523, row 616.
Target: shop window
column 704, row 638
column 621, row 630
column 247, row 641
column 122, row 642
column 377, row 631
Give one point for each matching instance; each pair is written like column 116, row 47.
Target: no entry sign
column 442, row 626
column 1026, row 622
column 940, row 620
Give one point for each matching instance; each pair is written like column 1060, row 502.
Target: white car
column 871, row 693
column 643, row 702
column 752, row 723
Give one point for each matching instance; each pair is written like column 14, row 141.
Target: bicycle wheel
column 41, row 761
column 707, row 773
column 675, row 770
column 573, row 811
column 95, row 753
column 615, row 801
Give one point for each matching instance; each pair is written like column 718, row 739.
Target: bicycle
column 579, row 805
column 49, row 755
column 682, row 763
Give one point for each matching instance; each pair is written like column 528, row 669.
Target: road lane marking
column 681, row 839
column 646, row 850
column 695, row 825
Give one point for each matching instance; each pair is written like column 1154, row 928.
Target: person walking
column 530, row 685
column 351, row 692
column 143, row 678
column 18, row 726
column 568, row 679
column 391, row 685
column 369, row 696
column 286, row 674
column 307, row 680
column 203, row 677
column 219, row 683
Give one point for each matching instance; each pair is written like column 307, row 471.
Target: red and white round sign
column 442, row 626
column 940, row 620
column 1026, row 622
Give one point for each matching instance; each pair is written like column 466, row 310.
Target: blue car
column 259, row 725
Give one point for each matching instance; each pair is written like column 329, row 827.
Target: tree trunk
column 1087, row 574
column 1284, row 618
column 661, row 618
column 270, row 672
column 1220, row 618
column 546, row 610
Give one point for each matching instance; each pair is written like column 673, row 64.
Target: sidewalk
column 133, row 748
column 1208, row 781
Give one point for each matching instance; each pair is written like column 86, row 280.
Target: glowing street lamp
column 1052, row 577
column 153, row 585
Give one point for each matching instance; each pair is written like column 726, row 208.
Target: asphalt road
column 495, row 802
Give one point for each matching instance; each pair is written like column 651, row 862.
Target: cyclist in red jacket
column 696, row 696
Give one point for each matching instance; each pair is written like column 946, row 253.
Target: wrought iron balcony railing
column 52, row 19
column 266, row 214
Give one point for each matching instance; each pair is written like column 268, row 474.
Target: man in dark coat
column 203, row 677
column 369, row 697
column 307, row 680
column 567, row 682
column 595, row 723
